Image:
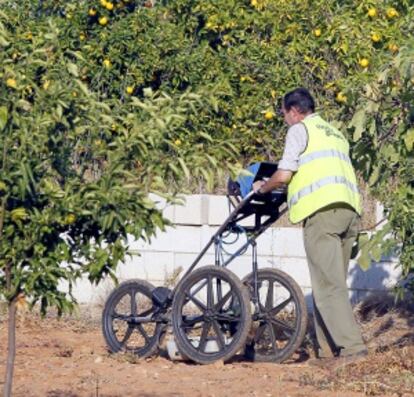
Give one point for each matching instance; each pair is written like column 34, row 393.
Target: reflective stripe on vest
column 324, row 153
column 320, row 183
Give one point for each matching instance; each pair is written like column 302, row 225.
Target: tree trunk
column 11, row 348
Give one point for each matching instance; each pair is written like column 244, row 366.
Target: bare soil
column 68, row 358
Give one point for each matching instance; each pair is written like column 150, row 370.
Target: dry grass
column 388, row 330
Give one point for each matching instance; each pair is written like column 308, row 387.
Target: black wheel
column 206, row 326
column 280, row 318
column 127, row 319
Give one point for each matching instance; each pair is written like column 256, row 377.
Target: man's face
column 288, row 116
column 292, row 116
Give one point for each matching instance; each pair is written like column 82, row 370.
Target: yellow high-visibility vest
column 325, row 174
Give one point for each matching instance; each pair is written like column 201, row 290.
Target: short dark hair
column 301, row 99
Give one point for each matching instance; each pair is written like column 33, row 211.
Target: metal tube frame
column 252, row 234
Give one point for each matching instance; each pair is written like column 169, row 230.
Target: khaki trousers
column 329, row 235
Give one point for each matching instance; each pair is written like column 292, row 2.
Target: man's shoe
column 338, row 362
column 350, row 359
column 320, row 362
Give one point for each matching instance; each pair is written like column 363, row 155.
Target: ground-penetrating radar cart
column 213, row 314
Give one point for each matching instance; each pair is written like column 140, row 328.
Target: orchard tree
column 75, row 174
column 383, row 132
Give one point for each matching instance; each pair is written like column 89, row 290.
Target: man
column 323, row 193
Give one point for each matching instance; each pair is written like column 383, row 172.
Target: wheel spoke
column 133, row 302
column 269, row 298
column 282, row 324
column 272, row 337
column 227, row 317
column 118, row 316
column 259, row 332
column 210, row 297
column 280, row 306
column 191, row 320
column 196, row 301
column 203, row 338
column 219, row 334
column 222, row 301
column 146, row 312
column 127, row 335
column 219, row 289
column 143, row 333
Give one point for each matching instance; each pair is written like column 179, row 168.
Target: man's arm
column 279, row 179
column 296, row 141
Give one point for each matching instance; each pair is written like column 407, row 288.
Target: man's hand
column 279, row 180
column 257, row 185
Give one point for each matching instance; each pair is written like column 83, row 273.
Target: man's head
column 297, row 104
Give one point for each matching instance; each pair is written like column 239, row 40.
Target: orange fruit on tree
column 340, row 97
column 392, row 12
column 372, row 12
column 11, row 83
column 69, row 219
column 317, row 32
column 393, row 47
column 129, row 90
column 92, row 12
column 375, row 37
column 109, row 6
column 268, row 115
column 107, row 63
column 103, row 21
column 364, row 62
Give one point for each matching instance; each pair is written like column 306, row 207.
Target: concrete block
column 161, row 204
column 193, row 212
column 83, row 291
column 379, row 276
column 218, row 209
column 288, row 242
column 137, row 245
column 207, row 232
column 241, row 266
column 132, row 267
column 163, row 241
column 179, row 239
column 185, row 260
column 266, row 243
column 186, row 239
column 150, row 266
column 297, row 268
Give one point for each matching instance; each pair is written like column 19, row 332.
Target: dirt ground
column 68, row 358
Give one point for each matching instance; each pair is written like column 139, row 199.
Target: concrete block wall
column 195, row 223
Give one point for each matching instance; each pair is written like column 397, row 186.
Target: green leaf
column 184, row 167
column 358, row 122
column 83, row 87
column 409, row 139
column 3, row 117
column 376, row 253
column 364, row 260
column 375, row 174
column 73, row 69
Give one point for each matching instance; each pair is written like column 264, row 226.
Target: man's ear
column 295, row 111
